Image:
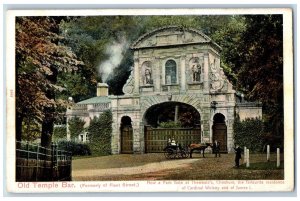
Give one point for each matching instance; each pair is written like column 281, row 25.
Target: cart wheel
column 168, row 153
column 184, row 154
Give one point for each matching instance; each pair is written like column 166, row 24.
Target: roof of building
column 147, row 35
column 102, row 85
column 95, row 100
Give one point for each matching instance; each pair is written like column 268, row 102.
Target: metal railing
column 37, row 163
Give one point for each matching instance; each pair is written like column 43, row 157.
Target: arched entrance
column 126, row 135
column 169, row 120
column 220, row 131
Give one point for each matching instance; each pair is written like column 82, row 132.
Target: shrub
column 59, row 133
column 77, row 149
column 75, row 127
column 170, row 124
column 100, row 132
column 249, row 133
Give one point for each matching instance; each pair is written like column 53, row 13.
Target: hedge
column 100, row 132
column 170, row 124
column 249, row 133
column 77, row 149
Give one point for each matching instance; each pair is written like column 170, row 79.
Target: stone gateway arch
column 181, row 66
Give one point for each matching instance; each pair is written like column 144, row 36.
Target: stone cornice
column 135, row 46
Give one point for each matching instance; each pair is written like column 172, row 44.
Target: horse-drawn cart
column 175, row 151
column 172, row 151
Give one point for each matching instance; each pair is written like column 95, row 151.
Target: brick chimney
column 102, row 89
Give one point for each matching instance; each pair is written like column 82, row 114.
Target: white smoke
column 115, row 51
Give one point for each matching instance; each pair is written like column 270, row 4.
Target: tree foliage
column 89, row 38
column 31, row 129
column 59, row 133
column 260, row 61
column 259, row 67
column 39, row 57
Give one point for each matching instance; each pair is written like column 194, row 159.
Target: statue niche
column 196, row 69
column 147, row 73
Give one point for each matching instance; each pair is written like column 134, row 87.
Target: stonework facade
column 172, row 64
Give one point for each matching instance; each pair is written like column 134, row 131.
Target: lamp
column 70, row 102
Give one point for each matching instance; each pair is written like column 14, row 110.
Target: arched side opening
column 169, row 120
column 126, row 135
column 220, row 131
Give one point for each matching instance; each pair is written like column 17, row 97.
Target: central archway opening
column 169, row 120
column 166, row 114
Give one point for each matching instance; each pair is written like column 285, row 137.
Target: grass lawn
column 223, row 169
column 272, row 165
column 209, row 168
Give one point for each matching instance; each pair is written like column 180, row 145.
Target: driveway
column 79, row 175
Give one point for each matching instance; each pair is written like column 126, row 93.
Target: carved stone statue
column 147, row 73
column 148, row 77
column 196, row 69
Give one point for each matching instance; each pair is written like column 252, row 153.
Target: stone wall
column 249, row 111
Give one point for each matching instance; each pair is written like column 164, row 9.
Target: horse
column 200, row 147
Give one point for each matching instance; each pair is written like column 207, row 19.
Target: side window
column 87, row 137
column 171, row 72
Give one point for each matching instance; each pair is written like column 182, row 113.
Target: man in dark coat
column 216, row 148
column 238, row 155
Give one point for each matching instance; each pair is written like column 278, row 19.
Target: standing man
column 238, row 155
column 216, row 148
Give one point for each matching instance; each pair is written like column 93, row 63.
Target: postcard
column 149, row 100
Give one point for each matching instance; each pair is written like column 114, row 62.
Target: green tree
column 90, row 38
column 259, row 67
column 39, row 57
column 31, row 129
column 59, row 133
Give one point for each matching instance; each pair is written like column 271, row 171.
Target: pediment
column 170, row 36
